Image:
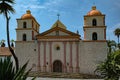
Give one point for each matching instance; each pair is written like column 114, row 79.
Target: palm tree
column 117, row 33
column 5, row 9
column 111, row 45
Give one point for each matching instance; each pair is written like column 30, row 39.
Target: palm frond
column 6, row 8
column 8, row 1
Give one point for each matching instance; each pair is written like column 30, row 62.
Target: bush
column 8, row 72
column 110, row 68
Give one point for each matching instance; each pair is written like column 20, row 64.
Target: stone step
column 63, row 75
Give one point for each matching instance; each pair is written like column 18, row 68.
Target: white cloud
column 117, row 25
column 37, row 7
column 37, row 4
column 52, row 5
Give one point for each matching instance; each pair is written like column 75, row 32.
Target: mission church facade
column 60, row 50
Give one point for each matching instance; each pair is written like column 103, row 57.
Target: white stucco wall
column 26, row 52
column 91, row 53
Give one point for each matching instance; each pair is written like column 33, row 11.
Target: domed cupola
column 94, row 12
column 28, row 15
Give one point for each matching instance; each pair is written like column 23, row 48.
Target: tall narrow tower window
column 24, row 24
column 94, row 22
column 57, row 33
column 24, row 37
column 94, row 36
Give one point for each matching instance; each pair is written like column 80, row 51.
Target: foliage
column 6, row 7
column 2, row 43
column 8, row 72
column 12, row 43
column 110, row 68
column 117, row 33
column 12, row 40
column 111, row 46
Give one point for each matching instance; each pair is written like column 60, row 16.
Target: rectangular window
column 57, row 33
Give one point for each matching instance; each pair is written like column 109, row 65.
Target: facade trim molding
column 94, row 26
column 94, row 40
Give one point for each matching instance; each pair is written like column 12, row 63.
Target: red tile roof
column 4, row 51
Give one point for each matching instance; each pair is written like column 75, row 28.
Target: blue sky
column 71, row 14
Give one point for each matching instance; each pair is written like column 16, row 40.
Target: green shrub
column 110, row 68
column 8, row 72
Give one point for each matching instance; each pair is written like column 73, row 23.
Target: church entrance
column 57, row 66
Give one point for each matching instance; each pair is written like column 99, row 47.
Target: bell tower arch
column 94, row 25
column 27, row 27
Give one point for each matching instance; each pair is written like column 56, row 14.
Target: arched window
column 24, row 24
column 94, row 22
column 94, row 36
column 57, row 48
column 24, row 37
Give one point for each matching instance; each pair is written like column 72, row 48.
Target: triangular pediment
column 58, row 32
column 58, row 23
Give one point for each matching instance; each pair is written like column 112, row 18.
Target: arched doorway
column 57, row 66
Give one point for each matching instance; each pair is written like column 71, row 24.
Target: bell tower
column 94, row 25
column 27, row 27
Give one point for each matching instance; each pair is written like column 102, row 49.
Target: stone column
column 44, row 65
column 50, row 55
column 77, row 57
column 39, row 68
column 70, row 66
column 65, row 67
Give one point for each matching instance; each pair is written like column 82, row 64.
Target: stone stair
column 63, row 75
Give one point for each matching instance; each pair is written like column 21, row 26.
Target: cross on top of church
column 58, row 15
